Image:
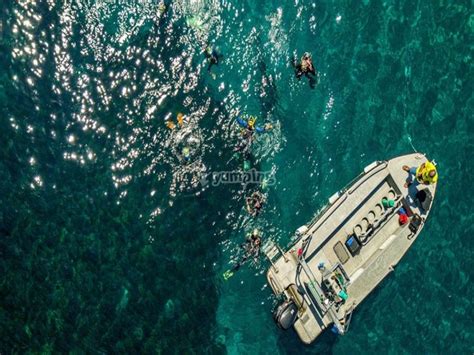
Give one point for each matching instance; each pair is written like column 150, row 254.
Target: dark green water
column 109, row 243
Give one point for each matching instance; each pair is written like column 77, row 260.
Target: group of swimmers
column 303, row 67
column 254, row 202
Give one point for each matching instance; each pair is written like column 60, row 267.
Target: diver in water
column 305, row 67
column 250, row 127
column 212, row 57
column 254, row 203
column 251, row 249
column 186, row 153
column 245, row 144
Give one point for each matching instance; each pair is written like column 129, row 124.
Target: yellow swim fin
column 170, row 124
column 227, row 275
column 180, row 119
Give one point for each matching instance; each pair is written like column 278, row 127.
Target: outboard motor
column 285, row 314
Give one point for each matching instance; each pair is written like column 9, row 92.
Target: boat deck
column 357, row 210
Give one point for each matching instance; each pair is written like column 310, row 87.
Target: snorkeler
column 243, row 150
column 251, row 249
column 305, row 67
column 186, row 153
column 162, row 8
column 245, row 144
column 254, row 203
column 250, row 126
column 212, row 57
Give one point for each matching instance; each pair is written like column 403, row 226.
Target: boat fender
column 403, row 219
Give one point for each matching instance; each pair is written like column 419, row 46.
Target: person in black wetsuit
column 305, row 67
column 212, row 57
column 251, row 249
column 254, row 203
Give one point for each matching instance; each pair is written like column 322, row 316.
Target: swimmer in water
column 212, row 57
column 186, row 153
column 251, row 249
column 250, row 126
column 254, row 203
column 305, row 67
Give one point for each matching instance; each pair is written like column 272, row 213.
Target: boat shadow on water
column 289, row 343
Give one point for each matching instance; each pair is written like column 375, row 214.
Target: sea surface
column 112, row 242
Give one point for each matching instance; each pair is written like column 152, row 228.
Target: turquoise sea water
column 110, row 242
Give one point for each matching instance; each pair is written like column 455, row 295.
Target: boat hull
column 349, row 247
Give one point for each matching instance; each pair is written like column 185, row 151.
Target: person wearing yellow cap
column 245, row 144
column 425, row 174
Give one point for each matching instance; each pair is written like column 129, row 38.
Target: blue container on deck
column 353, row 244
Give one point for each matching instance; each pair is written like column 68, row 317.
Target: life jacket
column 423, row 173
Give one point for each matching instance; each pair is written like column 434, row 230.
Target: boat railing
column 368, row 171
column 341, row 195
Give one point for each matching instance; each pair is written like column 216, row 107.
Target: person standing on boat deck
column 425, row 174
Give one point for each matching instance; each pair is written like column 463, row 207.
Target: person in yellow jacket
column 425, row 174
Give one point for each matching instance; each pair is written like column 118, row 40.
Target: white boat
column 348, row 249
